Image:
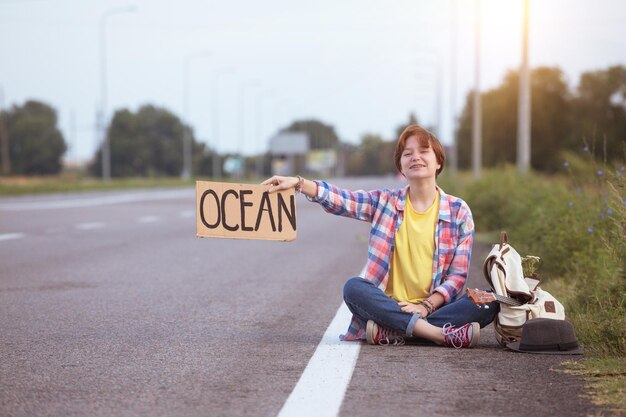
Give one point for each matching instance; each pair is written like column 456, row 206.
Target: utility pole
column 477, row 106
column 439, row 95
column 438, row 64
column 72, row 136
column 4, row 138
column 261, row 139
column 216, row 160
column 453, row 39
column 523, row 121
column 106, row 143
column 241, row 111
column 187, row 146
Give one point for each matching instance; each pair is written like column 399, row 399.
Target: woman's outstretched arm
column 358, row 204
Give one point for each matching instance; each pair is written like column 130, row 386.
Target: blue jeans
column 368, row 302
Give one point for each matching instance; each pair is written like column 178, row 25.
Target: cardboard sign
column 244, row 211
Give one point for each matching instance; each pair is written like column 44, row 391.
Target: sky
column 253, row 67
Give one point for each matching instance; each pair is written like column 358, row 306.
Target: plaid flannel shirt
column 384, row 209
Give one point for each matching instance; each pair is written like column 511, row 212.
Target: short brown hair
column 425, row 139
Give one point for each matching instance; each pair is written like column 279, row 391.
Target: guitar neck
column 507, row 300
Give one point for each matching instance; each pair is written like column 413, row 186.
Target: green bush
column 576, row 223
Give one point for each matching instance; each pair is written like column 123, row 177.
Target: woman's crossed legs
column 368, row 302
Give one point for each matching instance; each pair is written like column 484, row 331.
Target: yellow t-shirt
column 411, row 272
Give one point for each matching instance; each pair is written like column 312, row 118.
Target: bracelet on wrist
column 299, row 184
column 428, row 305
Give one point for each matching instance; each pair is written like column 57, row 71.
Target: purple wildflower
column 570, row 204
column 565, row 164
column 600, row 172
column 586, row 149
column 602, row 215
column 609, row 212
column 590, row 229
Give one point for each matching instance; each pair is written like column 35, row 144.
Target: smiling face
column 418, row 161
column 418, row 152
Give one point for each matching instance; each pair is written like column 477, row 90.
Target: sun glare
column 503, row 15
column 501, row 32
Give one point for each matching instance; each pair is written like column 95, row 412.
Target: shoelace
column 388, row 337
column 454, row 335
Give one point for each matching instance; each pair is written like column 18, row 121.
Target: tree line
column 591, row 115
column 148, row 142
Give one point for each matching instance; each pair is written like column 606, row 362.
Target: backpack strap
column 504, row 239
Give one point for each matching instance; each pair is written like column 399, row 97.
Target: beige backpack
column 520, row 297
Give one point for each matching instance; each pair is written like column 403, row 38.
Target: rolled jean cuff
column 411, row 325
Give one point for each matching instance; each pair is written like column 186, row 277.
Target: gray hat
column 550, row 336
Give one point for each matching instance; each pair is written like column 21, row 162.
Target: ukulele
column 480, row 297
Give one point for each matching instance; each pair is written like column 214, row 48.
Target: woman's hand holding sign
column 279, row 183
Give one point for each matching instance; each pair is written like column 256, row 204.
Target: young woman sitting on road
column 419, row 251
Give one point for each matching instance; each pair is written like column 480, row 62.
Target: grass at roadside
column 606, row 378
column 69, row 182
column 13, row 186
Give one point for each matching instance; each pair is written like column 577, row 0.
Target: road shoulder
column 488, row 380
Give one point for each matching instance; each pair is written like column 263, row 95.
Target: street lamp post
column 523, row 124
column 4, row 138
column 453, row 74
column 438, row 62
column 259, row 126
column 217, row 168
column 243, row 87
column 477, row 106
column 187, row 148
column 106, row 144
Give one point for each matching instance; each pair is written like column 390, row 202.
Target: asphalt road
column 110, row 306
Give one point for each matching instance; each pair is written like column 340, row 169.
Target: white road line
column 148, row 219
column 90, row 226
column 323, row 384
column 9, row 236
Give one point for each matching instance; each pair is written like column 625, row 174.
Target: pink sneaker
column 379, row 335
column 465, row 336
